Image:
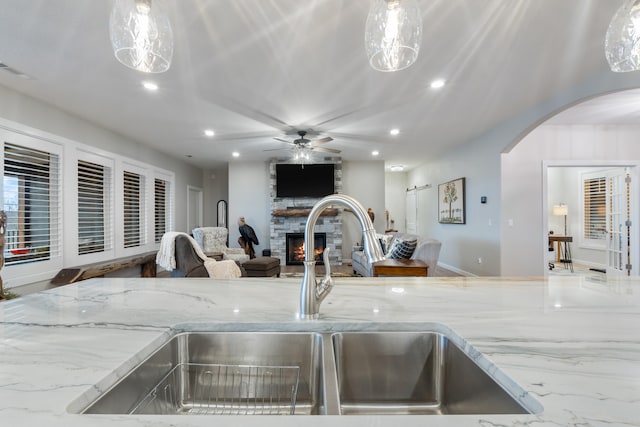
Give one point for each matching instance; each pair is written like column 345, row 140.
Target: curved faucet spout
column 312, row 293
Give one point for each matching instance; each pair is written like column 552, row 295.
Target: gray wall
column 33, row 113
column 463, row 244
column 215, row 187
column 505, row 249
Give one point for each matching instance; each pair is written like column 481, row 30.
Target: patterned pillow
column 402, row 249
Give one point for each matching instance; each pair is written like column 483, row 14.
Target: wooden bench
column 146, row 261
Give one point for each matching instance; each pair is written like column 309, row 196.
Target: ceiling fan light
column 393, row 34
column 622, row 41
column 302, row 154
column 141, row 35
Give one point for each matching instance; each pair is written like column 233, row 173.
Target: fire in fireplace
column 295, row 247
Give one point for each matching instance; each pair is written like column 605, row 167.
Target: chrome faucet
column 311, row 293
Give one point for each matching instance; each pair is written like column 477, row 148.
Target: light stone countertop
column 572, row 342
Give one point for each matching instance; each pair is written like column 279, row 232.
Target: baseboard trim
column 456, row 270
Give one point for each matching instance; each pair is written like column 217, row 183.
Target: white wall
column 523, row 176
column 395, row 191
column 28, row 111
column 249, row 196
column 560, row 186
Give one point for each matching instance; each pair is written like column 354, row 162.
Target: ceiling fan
column 303, row 144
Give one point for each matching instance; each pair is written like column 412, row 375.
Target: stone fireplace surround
column 289, row 215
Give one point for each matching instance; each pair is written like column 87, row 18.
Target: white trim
column 456, row 270
column 15, row 275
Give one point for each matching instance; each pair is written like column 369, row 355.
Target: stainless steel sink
column 309, row 373
column 415, row 373
column 223, row 373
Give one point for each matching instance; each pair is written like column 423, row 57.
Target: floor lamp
column 561, row 210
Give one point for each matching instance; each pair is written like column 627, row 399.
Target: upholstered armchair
column 214, row 240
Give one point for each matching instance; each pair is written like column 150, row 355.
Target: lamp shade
column 560, row 210
column 393, row 34
column 141, row 35
column 621, row 46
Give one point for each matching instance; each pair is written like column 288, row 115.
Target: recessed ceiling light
column 394, row 131
column 235, row 154
column 437, row 84
column 150, row 85
column 209, row 133
column 375, row 153
column 396, row 168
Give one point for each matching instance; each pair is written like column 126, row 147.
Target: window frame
column 16, row 274
column 126, row 165
column 72, row 248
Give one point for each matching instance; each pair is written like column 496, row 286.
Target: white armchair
column 214, row 239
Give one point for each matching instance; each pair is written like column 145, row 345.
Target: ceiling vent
column 5, row 67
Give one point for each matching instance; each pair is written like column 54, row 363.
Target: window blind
column 94, row 207
column 595, row 208
column 31, row 184
column 134, row 218
column 160, row 212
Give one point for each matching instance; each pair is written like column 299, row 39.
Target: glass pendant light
column 141, row 35
column 393, row 34
column 302, row 154
column 622, row 42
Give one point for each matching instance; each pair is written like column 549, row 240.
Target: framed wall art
column 451, row 207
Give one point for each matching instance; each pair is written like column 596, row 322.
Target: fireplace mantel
column 289, row 213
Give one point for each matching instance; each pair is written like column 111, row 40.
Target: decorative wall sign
column 451, row 207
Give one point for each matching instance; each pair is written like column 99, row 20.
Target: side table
column 400, row 267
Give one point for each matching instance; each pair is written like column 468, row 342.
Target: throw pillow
column 402, row 249
column 385, row 241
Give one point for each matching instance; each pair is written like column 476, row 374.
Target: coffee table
column 400, row 267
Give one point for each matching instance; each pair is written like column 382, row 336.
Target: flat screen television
column 314, row 180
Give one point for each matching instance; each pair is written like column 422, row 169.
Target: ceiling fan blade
column 322, row 140
column 325, row 150
column 283, row 140
column 275, row 149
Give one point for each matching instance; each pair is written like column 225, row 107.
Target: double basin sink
column 315, row 373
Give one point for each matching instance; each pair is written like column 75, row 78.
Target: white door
column 194, row 208
column 618, row 222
